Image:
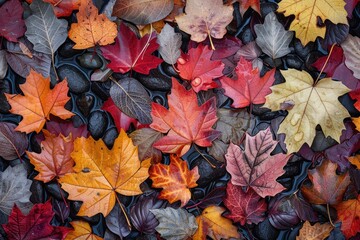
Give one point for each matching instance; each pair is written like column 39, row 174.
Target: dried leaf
column 205, row 18
column 142, row 12
column 11, row 22
column 12, row 144
column 82, row 231
column 169, row 44
column 314, row 104
column 351, row 47
column 272, row 37
column 132, row 99
column 175, row 179
column 175, row 224
column 316, row 232
column 349, row 215
column 96, row 180
column 38, row 102
column 92, row 28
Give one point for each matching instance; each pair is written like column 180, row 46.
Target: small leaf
column 169, row 44
column 272, row 38
column 132, row 99
column 12, row 144
column 117, row 223
column 351, row 47
column 142, row 12
column 317, row 231
column 175, row 224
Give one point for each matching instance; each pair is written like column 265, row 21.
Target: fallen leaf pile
column 174, row 119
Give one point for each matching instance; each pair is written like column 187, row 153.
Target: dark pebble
column 110, row 136
column 77, row 81
column 169, row 70
column 292, row 169
column 53, row 189
column 101, row 89
column 97, row 125
column 85, row 102
column 90, row 60
column 155, row 81
column 74, row 208
column 293, row 61
column 66, row 50
column 247, row 36
column 197, row 194
column 4, row 88
column 92, row 220
column 38, row 193
column 267, row 7
column 311, row 58
column 265, row 231
column 207, row 172
column 77, row 121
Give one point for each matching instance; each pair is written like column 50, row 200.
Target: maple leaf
column 11, row 22
column 130, row 53
column 307, row 13
column 92, row 28
column 254, row 166
column 196, row 67
column 317, row 231
column 335, row 59
column 35, row 225
column 349, row 215
column 246, row 4
column 38, row 102
column 212, row 224
column 315, row 103
column 249, row 88
column 185, row 122
column 175, row 179
column 100, row 173
column 245, row 207
column 328, row 187
column 205, row 18
column 356, row 96
column 82, row 230
column 54, row 159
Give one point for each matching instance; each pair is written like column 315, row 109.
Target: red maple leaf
column 356, row 96
column 11, row 22
column 196, row 67
column 62, row 8
column 245, row 207
column 349, row 214
column 336, row 58
column 130, row 53
column 35, row 225
column 254, row 166
column 249, row 86
column 185, row 122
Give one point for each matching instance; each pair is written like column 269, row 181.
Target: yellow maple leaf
column 306, row 16
column 100, row 173
column 313, row 104
column 82, row 230
column 212, row 224
column 92, row 28
column 356, row 121
column 316, row 232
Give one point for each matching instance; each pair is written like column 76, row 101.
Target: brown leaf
column 316, row 232
column 144, row 138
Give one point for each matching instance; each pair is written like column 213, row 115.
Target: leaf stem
column 198, row 150
column 144, row 48
column 329, row 216
column 327, row 59
column 124, row 212
column 211, row 42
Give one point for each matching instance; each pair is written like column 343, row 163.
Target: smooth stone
column 265, row 231
column 4, row 88
column 77, row 81
column 85, row 102
column 110, row 136
column 207, row 172
column 267, row 7
column 66, row 50
column 247, row 36
column 77, row 121
column 54, row 190
column 97, row 125
column 197, row 194
column 169, row 70
column 38, row 192
column 101, row 89
column 155, row 81
column 90, row 60
column 293, row 61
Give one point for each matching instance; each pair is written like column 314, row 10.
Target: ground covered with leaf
column 174, row 119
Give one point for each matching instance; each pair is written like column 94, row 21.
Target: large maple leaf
column 35, row 225
column 82, row 230
column 307, row 13
column 185, row 122
column 54, row 159
column 212, row 224
column 245, row 207
column 196, row 66
column 92, row 28
column 249, row 88
column 254, row 166
column 328, row 187
column 349, row 215
column 100, row 173
column 130, row 53
column 38, row 102
column 11, row 22
column 176, row 180
column 314, row 103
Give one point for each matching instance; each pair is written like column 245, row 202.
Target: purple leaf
column 12, row 144
column 117, row 223
column 282, row 214
column 62, row 211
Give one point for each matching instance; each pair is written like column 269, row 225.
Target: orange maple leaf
column 38, row 102
column 176, row 179
column 185, row 122
column 92, row 28
column 82, row 230
column 100, row 173
column 349, row 214
column 54, row 159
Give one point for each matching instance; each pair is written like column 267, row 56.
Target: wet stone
column 54, row 190
column 38, row 193
column 77, row 81
column 110, row 136
column 85, row 103
column 169, row 70
column 207, row 172
column 66, row 50
column 265, row 231
column 97, row 125
column 90, row 60
column 155, row 81
column 101, row 89
column 77, row 121
column 293, row 61
column 197, row 194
